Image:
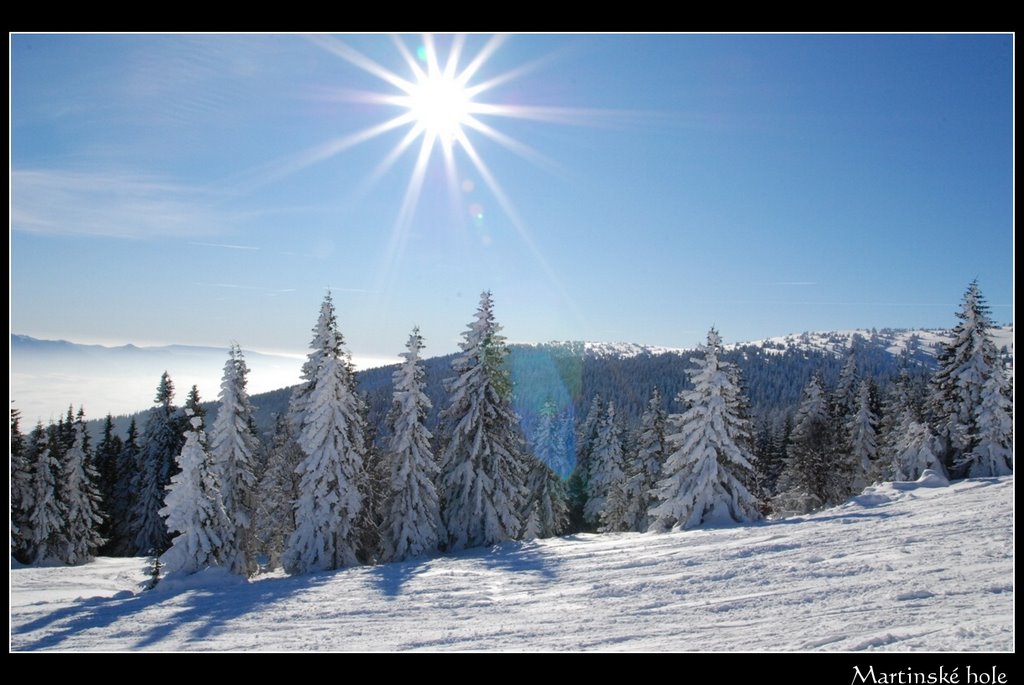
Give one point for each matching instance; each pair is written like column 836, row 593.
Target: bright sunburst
column 440, row 106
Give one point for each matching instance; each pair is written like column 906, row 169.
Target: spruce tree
column 21, row 490
column 966, row 366
column 193, row 508
column 124, row 498
column 709, row 468
column 483, row 468
column 45, row 520
column 327, row 411
column 549, row 444
column 234, row 445
column 915, row 451
column 644, row 469
column 546, row 513
column 278, row 489
column 413, row 515
column 79, row 501
column 606, row 480
column 816, row 474
column 578, row 486
column 156, row 464
column 105, row 462
column 862, row 431
column 992, row 454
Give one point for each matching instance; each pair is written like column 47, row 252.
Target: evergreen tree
column 846, row 396
column 709, row 466
column 578, row 485
column 124, row 498
column 992, row 454
column 278, row 489
column 549, row 444
column 816, row 474
column 915, row 451
column 194, row 403
column 606, row 481
column 483, row 468
column 413, row 520
column 79, row 501
column 21, row 491
column 374, row 488
column 958, row 388
column 233, row 448
column 153, row 471
column 193, row 508
column 329, row 508
column 45, row 534
column 546, row 513
column 862, row 438
column 644, row 471
column 105, row 462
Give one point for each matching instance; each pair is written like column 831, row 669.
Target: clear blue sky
column 203, row 189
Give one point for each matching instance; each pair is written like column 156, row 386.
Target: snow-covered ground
column 904, row 566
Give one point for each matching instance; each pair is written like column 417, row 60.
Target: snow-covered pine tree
column 546, row 513
column 644, row 469
column 278, row 489
column 412, row 519
column 234, row 445
column 45, row 534
column 329, row 508
column 845, row 397
column 915, row 451
column 122, row 535
column 373, row 488
column 606, row 480
column 862, row 430
column 770, row 452
column 578, row 487
column 483, row 468
column 193, row 508
column 709, row 463
column 159, row 445
column 816, row 474
column 21, row 491
column 322, row 338
column 549, row 442
column 993, row 451
column 105, row 462
column 965, row 366
column 79, row 501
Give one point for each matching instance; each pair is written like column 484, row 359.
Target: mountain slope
column 904, row 566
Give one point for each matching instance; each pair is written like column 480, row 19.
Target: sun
column 440, row 106
column 440, row 103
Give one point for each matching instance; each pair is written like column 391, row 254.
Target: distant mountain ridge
column 566, row 372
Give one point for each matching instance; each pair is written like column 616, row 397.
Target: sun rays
column 442, row 107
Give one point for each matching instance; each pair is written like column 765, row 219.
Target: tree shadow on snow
column 391, row 578
column 200, row 611
column 522, row 557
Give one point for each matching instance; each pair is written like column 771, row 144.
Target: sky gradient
column 201, row 189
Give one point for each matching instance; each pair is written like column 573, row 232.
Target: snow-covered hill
column 894, row 341
column 904, row 566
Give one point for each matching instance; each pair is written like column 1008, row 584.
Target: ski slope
column 905, row 566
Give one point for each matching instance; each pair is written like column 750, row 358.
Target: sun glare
column 440, row 105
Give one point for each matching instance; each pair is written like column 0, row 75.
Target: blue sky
column 201, row 189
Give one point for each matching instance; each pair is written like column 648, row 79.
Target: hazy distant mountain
column 47, row 375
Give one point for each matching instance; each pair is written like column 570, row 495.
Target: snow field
column 902, row 567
